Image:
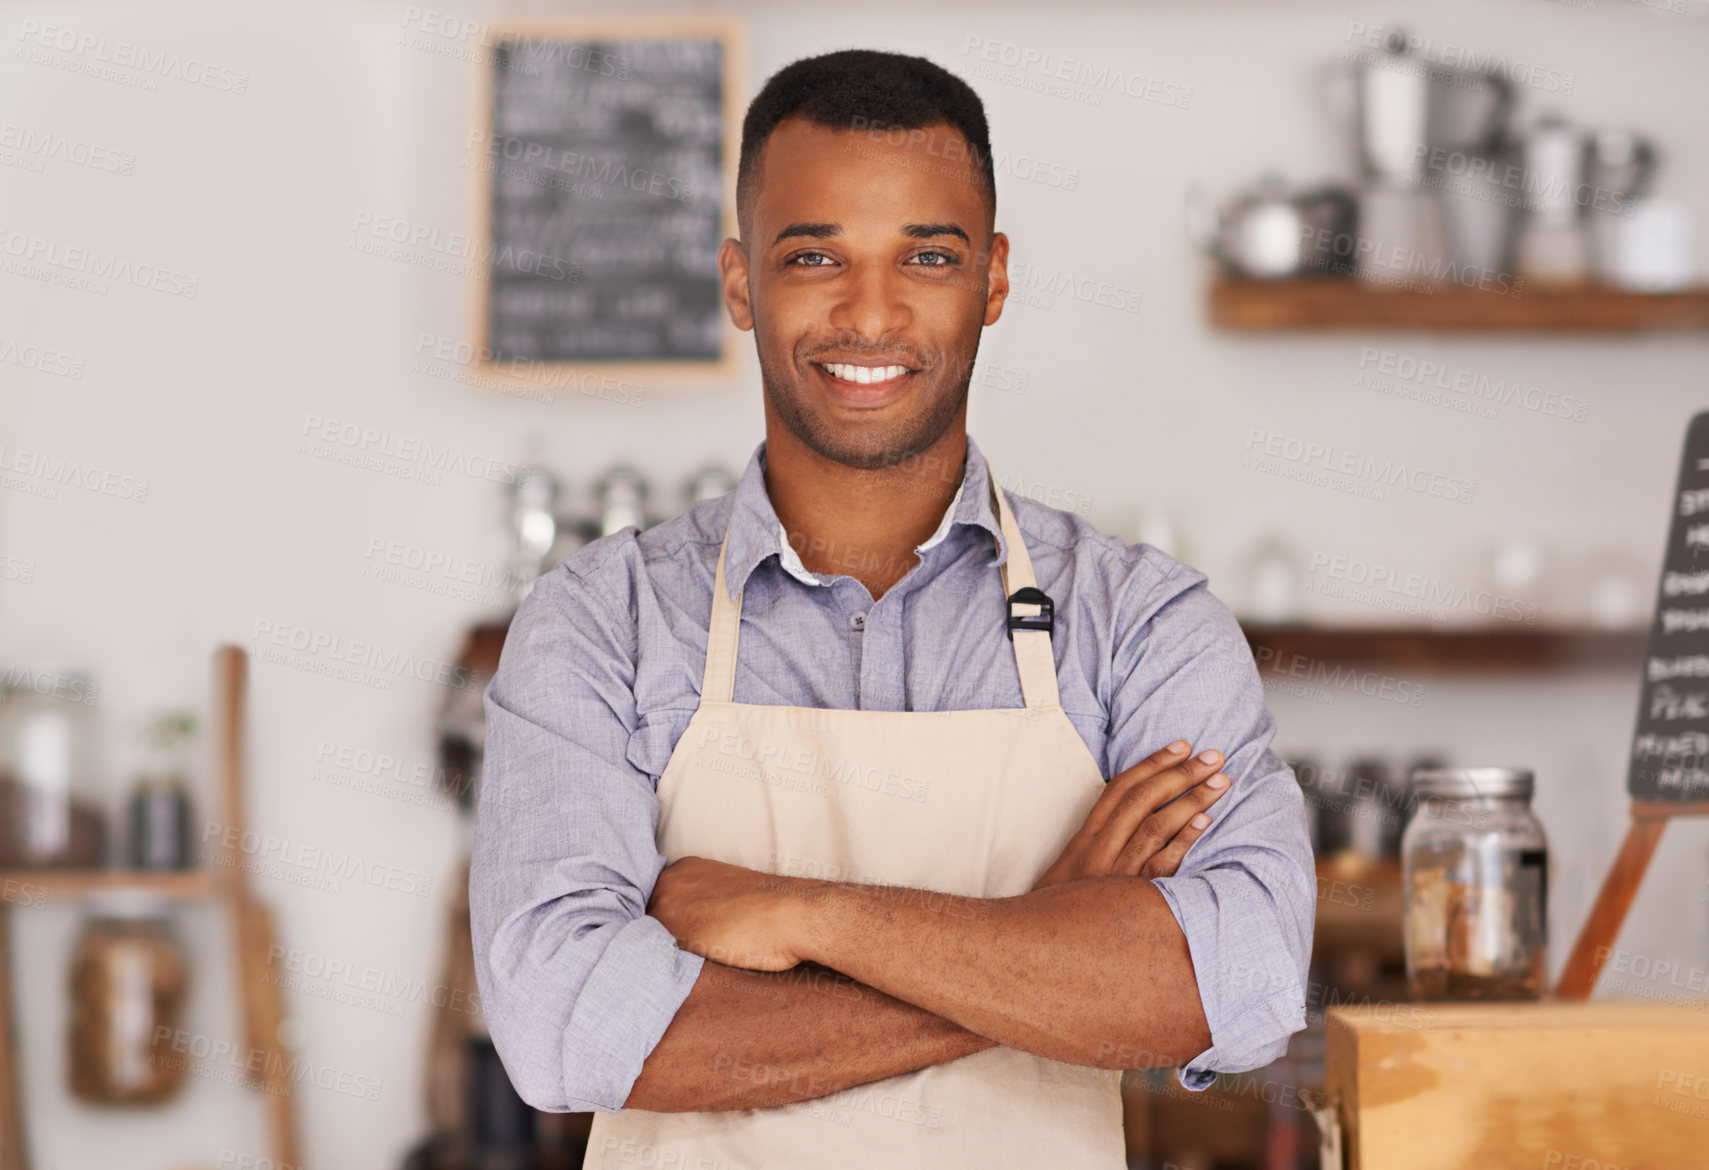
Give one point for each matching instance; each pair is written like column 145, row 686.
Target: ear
column 996, row 277
column 733, row 277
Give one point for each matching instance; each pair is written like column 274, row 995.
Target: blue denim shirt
column 601, row 671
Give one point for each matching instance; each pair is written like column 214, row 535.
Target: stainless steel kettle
column 1403, row 109
column 1268, row 232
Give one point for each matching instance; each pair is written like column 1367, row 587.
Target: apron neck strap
column 718, row 683
column 1034, row 660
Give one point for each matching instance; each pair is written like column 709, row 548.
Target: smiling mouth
column 858, row 375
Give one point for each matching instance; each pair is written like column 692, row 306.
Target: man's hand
column 1134, row 830
column 731, row 915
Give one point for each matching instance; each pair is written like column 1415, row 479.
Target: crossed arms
column 812, row 986
column 594, row 1005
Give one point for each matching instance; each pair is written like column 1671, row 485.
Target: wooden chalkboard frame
column 642, row 375
column 1619, row 891
column 1649, row 816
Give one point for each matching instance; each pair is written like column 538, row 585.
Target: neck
column 864, row 524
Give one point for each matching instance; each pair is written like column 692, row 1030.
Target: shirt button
column 857, row 620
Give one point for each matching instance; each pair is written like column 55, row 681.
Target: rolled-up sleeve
column 1245, row 894
column 577, row 982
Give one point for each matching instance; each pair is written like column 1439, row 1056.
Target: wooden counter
column 1551, row 1085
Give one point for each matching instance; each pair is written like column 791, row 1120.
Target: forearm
column 1093, row 972
column 747, row 1039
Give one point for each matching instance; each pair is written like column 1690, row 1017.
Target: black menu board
column 1670, row 751
column 605, row 157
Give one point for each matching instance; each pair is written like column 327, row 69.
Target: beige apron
column 976, row 803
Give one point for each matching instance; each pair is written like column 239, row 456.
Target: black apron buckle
column 1044, row 620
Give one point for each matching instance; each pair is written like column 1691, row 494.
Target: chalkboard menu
column 606, row 157
column 1670, row 751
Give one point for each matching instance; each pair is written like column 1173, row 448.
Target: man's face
column 867, row 271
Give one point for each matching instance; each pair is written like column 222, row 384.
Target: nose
column 872, row 305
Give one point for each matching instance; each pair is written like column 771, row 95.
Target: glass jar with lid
column 1476, row 876
column 129, row 976
column 158, row 820
column 52, row 804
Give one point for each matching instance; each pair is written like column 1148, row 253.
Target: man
column 865, row 706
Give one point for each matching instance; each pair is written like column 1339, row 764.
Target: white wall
column 206, row 399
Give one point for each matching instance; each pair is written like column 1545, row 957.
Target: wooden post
column 1619, row 889
column 14, row 1151
column 251, row 924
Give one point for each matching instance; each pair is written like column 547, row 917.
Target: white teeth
column 865, row 375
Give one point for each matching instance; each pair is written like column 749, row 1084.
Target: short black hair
column 855, row 89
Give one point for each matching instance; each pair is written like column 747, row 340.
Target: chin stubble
column 875, row 448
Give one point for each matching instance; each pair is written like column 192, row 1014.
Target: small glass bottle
column 534, row 527
column 622, row 497
column 128, row 981
column 1476, row 875
column 158, row 821
column 709, row 484
column 53, row 802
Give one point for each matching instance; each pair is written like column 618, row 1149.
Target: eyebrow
column 917, row 231
column 925, row 231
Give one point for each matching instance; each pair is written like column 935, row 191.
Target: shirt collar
column 756, row 533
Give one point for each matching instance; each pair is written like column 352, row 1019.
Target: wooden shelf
column 24, row 884
column 225, row 883
column 1325, row 303
column 1278, row 648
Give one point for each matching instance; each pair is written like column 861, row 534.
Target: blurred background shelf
column 1315, row 304
column 79, row 883
column 1441, row 648
column 1360, row 907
